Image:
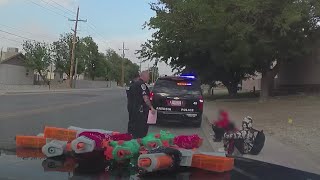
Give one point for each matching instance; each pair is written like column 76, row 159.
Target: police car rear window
column 177, row 87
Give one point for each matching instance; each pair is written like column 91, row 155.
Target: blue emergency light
column 188, row 76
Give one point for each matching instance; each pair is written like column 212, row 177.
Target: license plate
column 176, row 103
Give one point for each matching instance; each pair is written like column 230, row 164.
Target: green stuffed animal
column 122, row 150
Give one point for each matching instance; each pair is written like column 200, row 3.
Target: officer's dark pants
column 131, row 122
column 139, row 124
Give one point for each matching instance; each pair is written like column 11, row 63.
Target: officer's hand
column 153, row 111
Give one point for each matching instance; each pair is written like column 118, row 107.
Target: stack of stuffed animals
column 156, row 151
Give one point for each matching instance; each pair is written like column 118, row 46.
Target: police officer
column 129, row 101
column 141, row 105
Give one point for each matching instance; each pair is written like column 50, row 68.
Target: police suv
column 178, row 99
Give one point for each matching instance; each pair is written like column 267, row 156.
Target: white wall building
column 13, row 71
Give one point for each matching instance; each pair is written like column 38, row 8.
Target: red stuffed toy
column 188, row 142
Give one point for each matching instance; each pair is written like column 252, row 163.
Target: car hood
column 15, row 165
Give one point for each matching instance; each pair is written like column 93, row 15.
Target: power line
column 30, row 33
column 90, row 25
column 74, row 13
column 98, row 35
column 16, row 35
column 47, row 8
column 11, row 39
column 93, row 27
column 92, row 33
column 49, row 4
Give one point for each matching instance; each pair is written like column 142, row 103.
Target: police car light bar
column 188, row 76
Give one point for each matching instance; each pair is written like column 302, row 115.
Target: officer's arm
column 148, row 102
column 146, row 96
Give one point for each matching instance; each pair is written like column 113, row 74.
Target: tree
column 38, row 57
column 200, row 37
column 154, row 73
column 102, row 66
column 92, row 57
column 282, row 31
column 131, row 69
column 115, row 61
column 229, row 40
column 62, row 54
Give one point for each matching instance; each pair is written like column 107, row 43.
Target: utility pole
column 73, row 79
column 1, row 54
column 51, row 72
column 122, row 63
column 140, row 65
column 152, row 75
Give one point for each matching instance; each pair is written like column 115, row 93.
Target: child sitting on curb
column 221, row 126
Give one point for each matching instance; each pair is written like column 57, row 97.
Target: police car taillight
column 184, row 84
column 200, row 104
column 151, row 96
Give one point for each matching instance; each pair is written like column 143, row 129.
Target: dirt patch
column 293, row 120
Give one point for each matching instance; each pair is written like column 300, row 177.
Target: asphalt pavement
column 29, row 113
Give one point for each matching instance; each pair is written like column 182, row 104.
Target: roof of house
column 5, row 61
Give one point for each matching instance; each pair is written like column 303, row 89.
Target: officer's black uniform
column 140, row 110
column 129, row 106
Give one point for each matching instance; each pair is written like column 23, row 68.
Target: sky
column 109, row 22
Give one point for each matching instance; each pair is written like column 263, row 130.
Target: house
column 13, row 69
column 302, row 74
column 10, row 52
column 59, row 75
column 252, row 83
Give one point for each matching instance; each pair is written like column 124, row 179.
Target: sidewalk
column 274, row 151
column 40, row 91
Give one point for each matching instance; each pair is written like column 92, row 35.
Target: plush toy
column 167, row 138
column 188, row 142
column 151, row 141
column 121, row 150
column 121, row 137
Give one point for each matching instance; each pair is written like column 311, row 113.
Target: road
column 29, row 113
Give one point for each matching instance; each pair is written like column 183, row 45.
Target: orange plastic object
column 30, row 141
column 29, row 153
column 145, row 162
column 161, row 162
column 60, row 134
column 164, row 162
column 212, row 163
